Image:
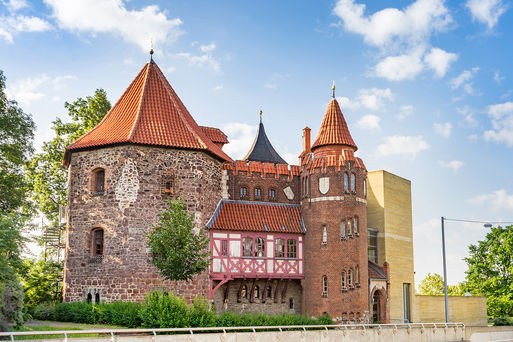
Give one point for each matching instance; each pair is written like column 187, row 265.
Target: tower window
column 344, row 284
column 346, row 183
column 355, row 225
column 258, row 193
column 279, row 249
column 272, row 195
column 97, row 242
column 98, row 181
column 353, row 182
column 291, row 248
column 349, row 229
column 342, row 230
column 259, row 247
column 350, row 277
column 356, row 276
column 247, row 247
column 324, row 235
column 325, row 285
column 243, row 192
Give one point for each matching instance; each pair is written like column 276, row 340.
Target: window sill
column 357, row 285
column 351, row 287
column 97, row 193
column 344, row 289
column 324, row 295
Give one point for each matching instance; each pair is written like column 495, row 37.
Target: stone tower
column 333, row 207
column 148, row 149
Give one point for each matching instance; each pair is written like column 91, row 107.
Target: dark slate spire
column 262, row 150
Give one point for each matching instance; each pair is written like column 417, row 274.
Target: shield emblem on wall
column 324, row 185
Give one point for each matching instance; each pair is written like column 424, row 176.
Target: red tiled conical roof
column 334, row 130
column 150, row 113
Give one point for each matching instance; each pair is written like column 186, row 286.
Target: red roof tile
column 149, row 112
column 257, row 217
column 215, row 134
column 334, row 130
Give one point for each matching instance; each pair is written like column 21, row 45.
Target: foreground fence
column 354, row 332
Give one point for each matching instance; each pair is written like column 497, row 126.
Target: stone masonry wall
column 132, row 200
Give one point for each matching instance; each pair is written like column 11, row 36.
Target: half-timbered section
column 257, row 257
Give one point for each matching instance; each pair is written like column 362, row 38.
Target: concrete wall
column 389, row 209
column 468, row 310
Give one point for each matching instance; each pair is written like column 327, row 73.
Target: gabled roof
column 215, row 134
column 262, row 150
column 149, row 113
column 257, row 217
column 376, row 271
column 334, row 130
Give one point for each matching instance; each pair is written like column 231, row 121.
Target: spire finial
column 333, row 88
column 151, row 49
column 260, row 116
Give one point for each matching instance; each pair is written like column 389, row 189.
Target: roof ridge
column 261, row 202
column 139, row 106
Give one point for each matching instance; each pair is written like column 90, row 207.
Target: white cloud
column 28, row 90
column 219, row 87
column 402, row 145
column 12, row 25
column 497, row 200
column 15, row 5
column 371, row 98
column 369, row 122
column 464, row 79
column 444, row 129
column 405, row 112
column 347, row 103
column 208, row 48
column 399, row 68
column 486, row 11
column 455, row 165
column 205, row 60
column 241, row 138
column 497, row 77
column 133, row 26
column 468, row 115
column 440, row 60
column 501, row 116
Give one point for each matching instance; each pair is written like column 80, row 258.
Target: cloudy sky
column 426, row 86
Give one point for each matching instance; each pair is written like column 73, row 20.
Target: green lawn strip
column 60, row 326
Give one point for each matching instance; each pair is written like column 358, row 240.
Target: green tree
column 490, row 270
column 45, row 171
column 176, row 250
column 42, row 282
column 433, row 285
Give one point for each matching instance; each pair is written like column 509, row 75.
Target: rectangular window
column 373, row 245
column 247, row 247
column 100, row 180
column 258, row 193
column 406, row 301
column 342, row 230
column 243, row 192
column 260, row 247
column 324, row 235
column 279, row 249
column 224, row 247
column 291, row 248
column 344, row 285
column 355, row 225
column 349, row 231
column 353, row 182
column 325, row 285
column 272, row 194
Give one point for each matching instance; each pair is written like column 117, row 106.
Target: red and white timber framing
column 233, row 264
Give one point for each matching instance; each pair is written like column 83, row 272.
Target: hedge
column 162, row 309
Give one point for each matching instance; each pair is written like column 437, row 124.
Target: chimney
column 306, row 139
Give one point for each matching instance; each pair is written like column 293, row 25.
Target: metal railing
column 191, row 331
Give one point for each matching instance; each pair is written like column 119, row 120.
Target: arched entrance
column 378, row 307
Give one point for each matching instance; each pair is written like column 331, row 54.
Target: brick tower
column 333, row 206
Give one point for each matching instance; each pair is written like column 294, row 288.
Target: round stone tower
column 334, row 212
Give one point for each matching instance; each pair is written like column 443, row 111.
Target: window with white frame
column 349, row 230
column 291, row 248
column 324, row 235
column 353, row 182
column 350, row 277
column 346, row 183
column 279, row 248
column 260, row 247
column 342, row 230
column 344, row 280
column 247, row 247
column 325, row 285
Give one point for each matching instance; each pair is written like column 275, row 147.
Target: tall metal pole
column 445, row 274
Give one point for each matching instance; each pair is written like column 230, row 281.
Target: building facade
column 283, row 238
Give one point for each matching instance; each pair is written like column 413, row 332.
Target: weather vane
column 260, row 116
column 151, row 49
column 333, row 88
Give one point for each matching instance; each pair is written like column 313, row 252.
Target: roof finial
column 333, row 88
column 260, row 116
column 151, row 49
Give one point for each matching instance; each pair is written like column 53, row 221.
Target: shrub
column 201, row 313
column 43, row 311
column 162, row 309
column 78, row 312
column 502, row 321
column 125, row 314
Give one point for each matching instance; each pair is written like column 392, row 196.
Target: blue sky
column 426, row 86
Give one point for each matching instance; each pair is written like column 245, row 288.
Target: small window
column 272, row 195
column 355, row 225
column 324, row 235
column 291, row 248
column 224, row 248
column 373, row 245
column 259, row 247
column 365, row 188
column 346, row 183
column 350, row 277
column 279, row 248
column 324, row 285
column 97, row 298
column 291, row 303
column 353, row 183
column 98, row 242
column 244, row 292
column 247, row 247
column 89, row 298
column 243, row 192
column 344, row 284
column 349, row 230
column 269, row 291
column 356, row 276
column 100, row 180
column 258, row 193
column 342, row 230
column 256, row 292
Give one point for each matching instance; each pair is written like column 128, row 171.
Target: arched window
column 291, row 248
column 356, row 276
column 342, row 230
column 279, row 248
column 365, row 188
column 324, row 235
column 346, row 183
column 256, row 292
column 99, row 181
column 269, row 291
column 272, row 195
column 349, row 230
column 247, row 247
column 344, row 281
column 243, row 192
column 355, row 225
column 350, row 277
column 259, row 247
column 353, row 182
column 258, row 193
column 97, row 241
column 324, row 285
column 89, row 298
column 97, row 298
column 244, row 292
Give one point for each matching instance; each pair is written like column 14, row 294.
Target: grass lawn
column 60, row 326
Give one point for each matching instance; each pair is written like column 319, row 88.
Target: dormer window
column 243, row 192
column 272, row 195
column 258, row 194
